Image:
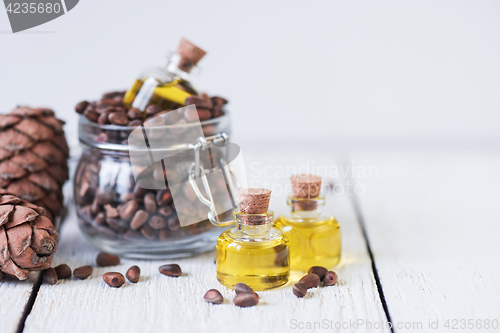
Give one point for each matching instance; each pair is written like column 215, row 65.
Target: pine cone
column 27, row 238
column 33, row 153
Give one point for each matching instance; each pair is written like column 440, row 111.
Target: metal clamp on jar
column 197, row 170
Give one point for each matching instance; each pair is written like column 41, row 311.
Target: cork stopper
column 306, row 186
column 254, row 200
column 190, row 55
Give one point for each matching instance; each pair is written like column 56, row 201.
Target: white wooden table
column 421, row 244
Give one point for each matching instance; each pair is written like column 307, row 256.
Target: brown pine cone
column 27, row 238
column 33, row 153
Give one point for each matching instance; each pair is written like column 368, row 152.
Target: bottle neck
column 253, row 225
column 306, row 207
column 180, row 66
column 255, row 231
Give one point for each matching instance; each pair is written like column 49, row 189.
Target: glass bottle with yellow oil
column 166, row 87
column 253, row 252
column 314, row 240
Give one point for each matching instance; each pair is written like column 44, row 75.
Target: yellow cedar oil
column 166, row 87
column 255, row 254
column 169, row 95
column 314, row 240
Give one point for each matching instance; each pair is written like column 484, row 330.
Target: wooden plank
column 175, row 304
column 14, row 296
column 432, row 222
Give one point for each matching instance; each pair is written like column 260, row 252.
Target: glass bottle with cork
column 314, row 240
column 166, row 87
column 253, row 252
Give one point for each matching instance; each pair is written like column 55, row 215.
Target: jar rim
column 83, row 120
column 88, row 132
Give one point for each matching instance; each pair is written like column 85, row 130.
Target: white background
column 320, row 71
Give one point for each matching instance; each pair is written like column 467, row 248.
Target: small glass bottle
column 166, row 87
column 314, row 240
column 253, row 252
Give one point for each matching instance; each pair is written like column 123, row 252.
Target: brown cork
column 190, row 55
column 254, row 200
column 306, row 186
